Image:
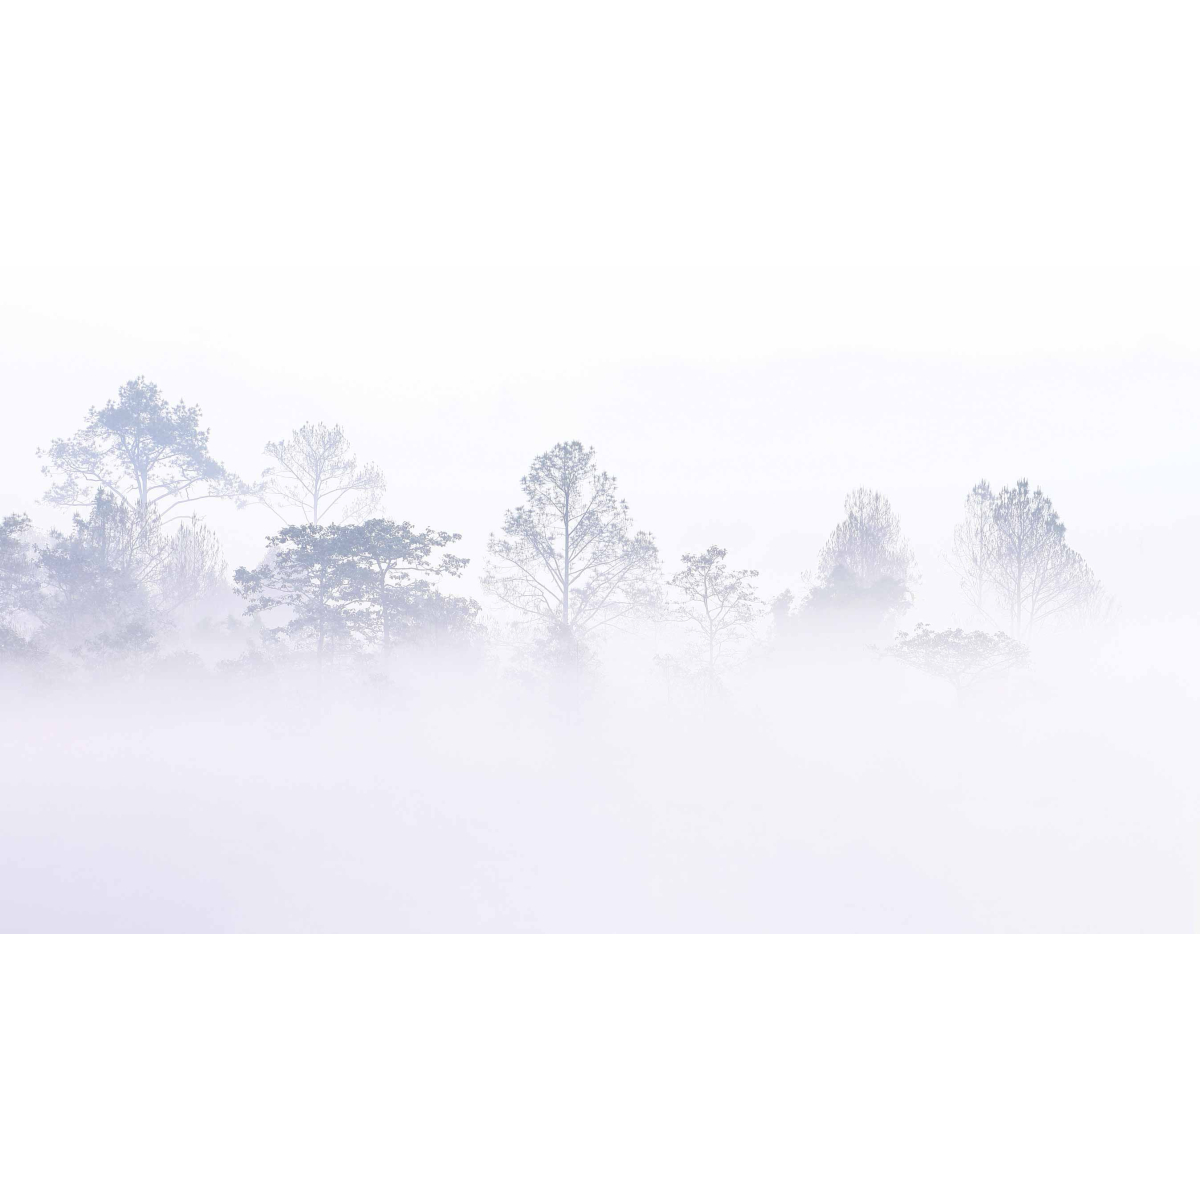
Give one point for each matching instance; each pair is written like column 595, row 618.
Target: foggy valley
column 302, row 698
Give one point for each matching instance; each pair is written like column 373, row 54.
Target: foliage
column 140, row 451
column 97, row 577
column 20, row 584
column 309, row 569
column 351, row 585
column 842, row 595
column 386, row 555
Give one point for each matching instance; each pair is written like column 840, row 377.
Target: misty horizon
column 767, row 713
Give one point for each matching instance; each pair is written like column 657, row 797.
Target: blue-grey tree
column 388, row 555
column 145, row 453
column 316, row 477
column 719, row 603
column 99, row 581
column 310, row 572
column 193, row 565
column 20, row 585
column 569, row 557
column 357, row 585
column 866, row 567
column 868, row 543
column 1012, row 556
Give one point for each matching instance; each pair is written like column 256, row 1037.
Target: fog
column 194, row 742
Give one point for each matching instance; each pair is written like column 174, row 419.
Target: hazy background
column 734, row 405
column 756, row 260
column 737, row 406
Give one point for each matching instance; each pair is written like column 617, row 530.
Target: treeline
column 339, row 582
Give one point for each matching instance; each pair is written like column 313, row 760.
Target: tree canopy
column 569, row 556
column 140, row 450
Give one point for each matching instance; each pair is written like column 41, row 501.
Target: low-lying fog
column 922, row 702
column 813, row 795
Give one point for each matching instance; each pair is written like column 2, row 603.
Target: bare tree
column 569, row 557
column 1034, row 573
column 722, row 604
column 974, row 544
column 142, row 452
column 315, row 472
column 1011, row 551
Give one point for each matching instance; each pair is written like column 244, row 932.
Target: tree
column 974, row 543
column 962, row 659
column 388, row 555
column 868, row 543
column 843, row 598
column 311, row 570
column 20, row 585
column 347, row 584
column 316, row 472
column 99, row 577
column 722, row 604
column 866, row 567
column 1011, row 551
column 140, row 451
column 418, row 611
column 193, row 565
column 1033, row 570
column 569, row 558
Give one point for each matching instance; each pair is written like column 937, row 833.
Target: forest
column 135, row 580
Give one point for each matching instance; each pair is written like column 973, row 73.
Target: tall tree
column 570, row 558
column 316, row 476
column 1011, row 552
column 141, row 451
column 720, row 603
column 1033, row 571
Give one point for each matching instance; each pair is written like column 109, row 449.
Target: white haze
column 819, row 793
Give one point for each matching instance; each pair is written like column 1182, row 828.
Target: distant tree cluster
column 341, row 581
